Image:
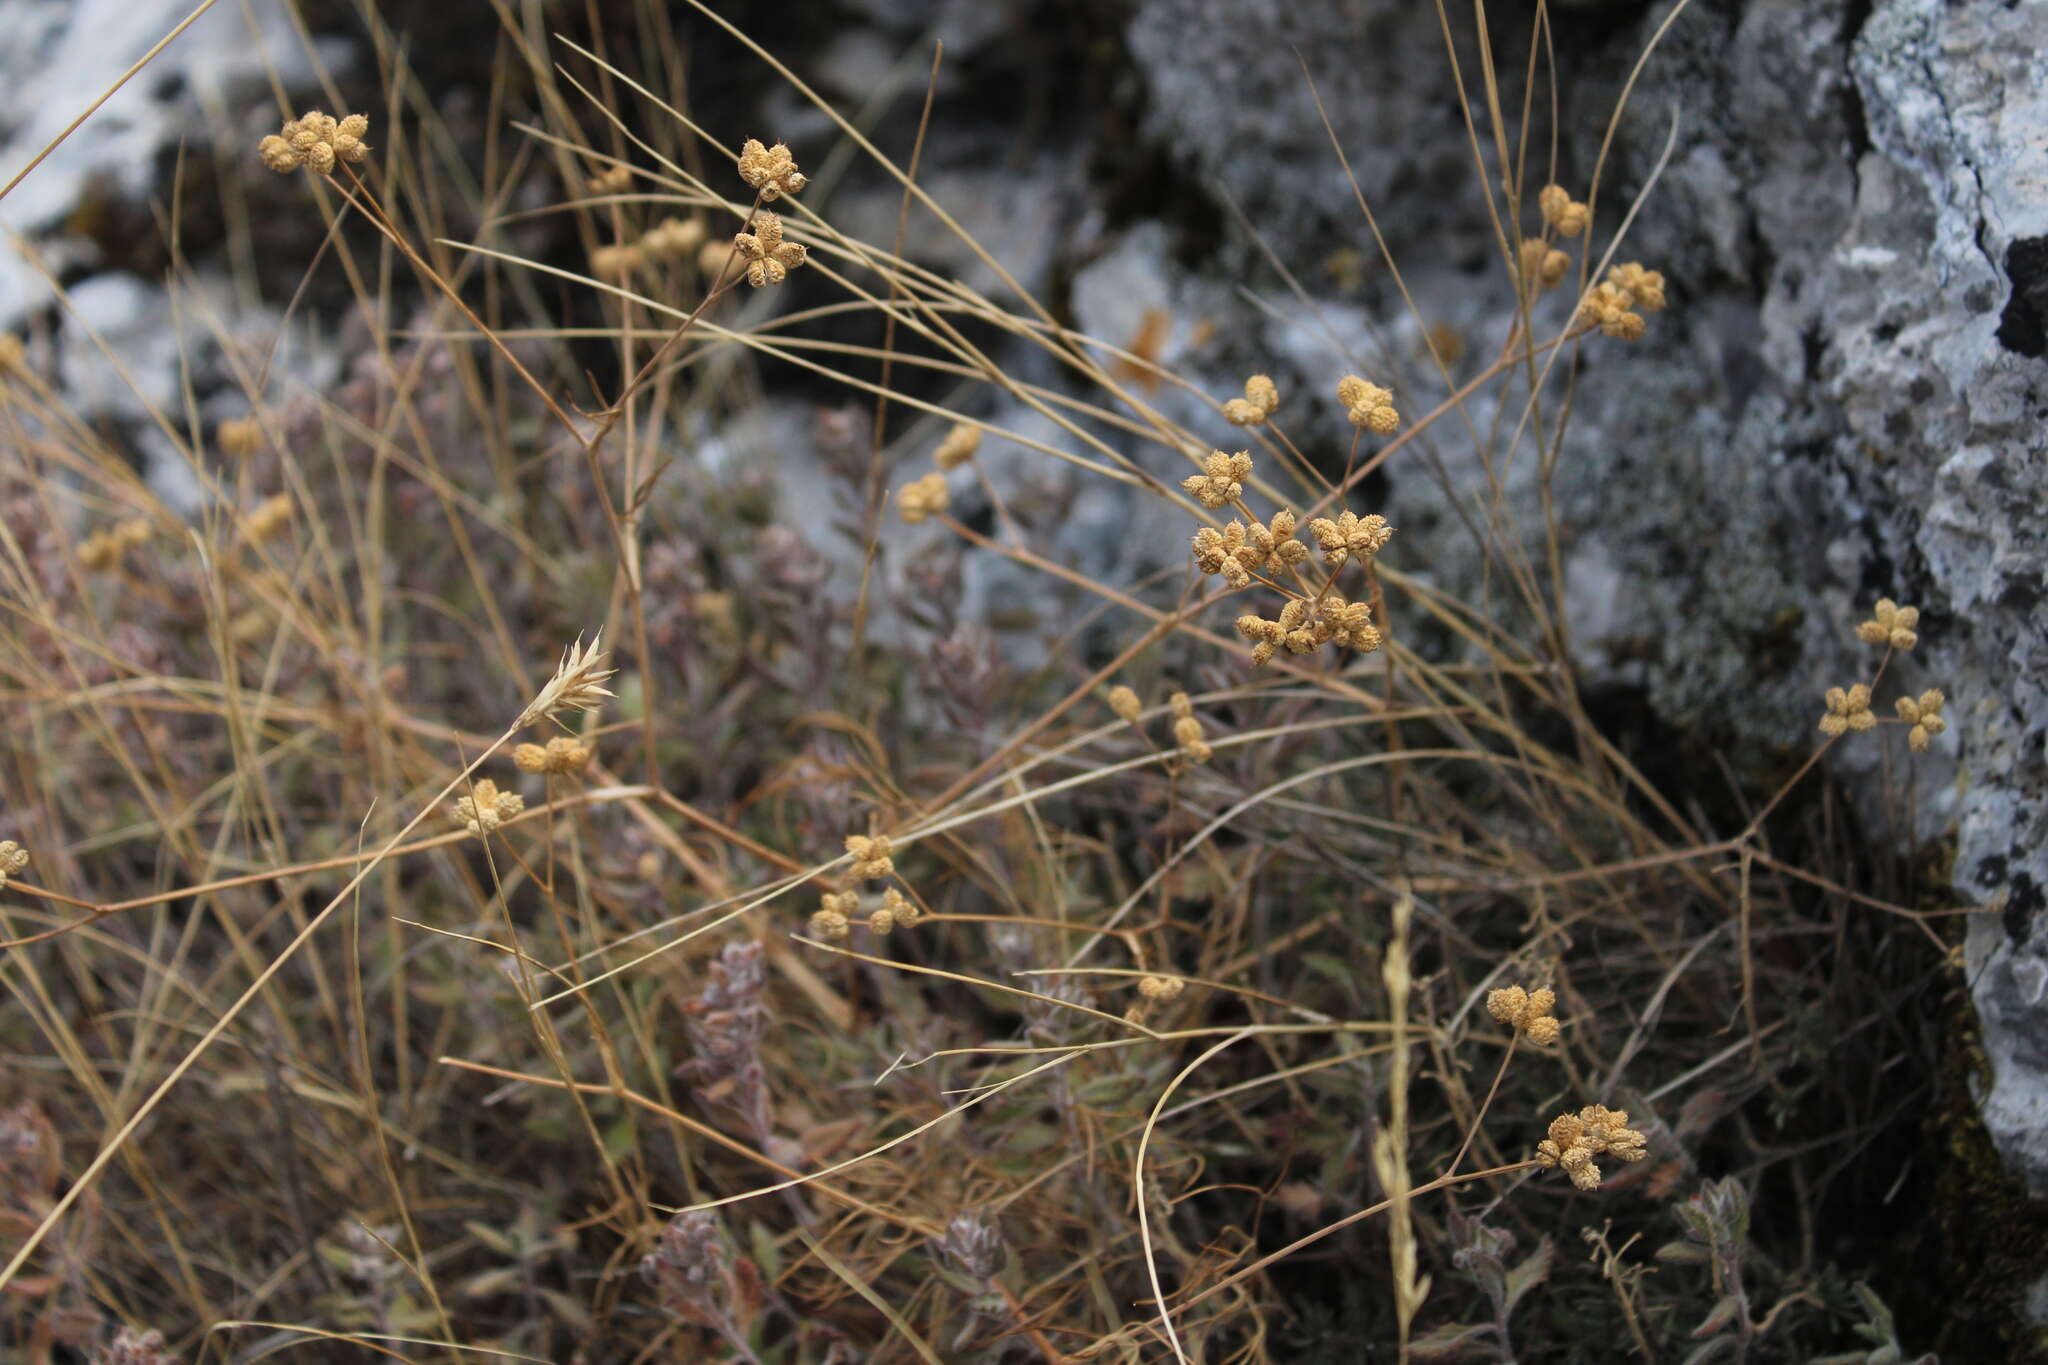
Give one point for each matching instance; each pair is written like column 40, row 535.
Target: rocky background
column 1847, row 399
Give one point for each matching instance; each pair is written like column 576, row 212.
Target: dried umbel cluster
column 1255, row 409
column 486, row 808
column 239, row 437
column 1890, row 624
column 1526, row 1012
column 769, row 258
column 958, row 448
column 1617, row 306
column 316, row 142
column 1561, row 213
column 102, row 550
column 13, row 858
column 770, row 170
column 559, row 755
column 1849, row 708
column 1160, row 988
column 1368, row 405
column 1246, row 551
column 872, row 862
column 1187, row 729
column 838, row 910
column 1576, row 1140
column 922, row 498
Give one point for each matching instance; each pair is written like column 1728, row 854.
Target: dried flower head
column 871, row 860
column 1160, row 987
column 1305, row 625
column 1563, row 212
column 1924, row 715
column 771, row 170
column 486, row 808
column 239, row 437
column 1577, row 1139
column 1253, row 410
column 1848, row 709
column 901, row 909
column 1238, row 551
column 104, row 549
column 562, row 754
column 1368, row 405
column 1350, row 535
column 13, row 858
column 921, row 498
column 1609, row 308
column 881, row 921
column 577, row 684
column 1222, row 478
column 673, row 238
column 315, row 141
column 1543, row 265
column 1526, row 1012
column 835, row 914
column 1187, row 730
column 1124, row 703
column 959, row 447
column 1890, row 624
column 617, row 261
column 611, row 180
column 270, row 516
column 769, row 258
column 1645, row 288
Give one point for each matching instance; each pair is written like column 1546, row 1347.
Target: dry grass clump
column 332, row 1043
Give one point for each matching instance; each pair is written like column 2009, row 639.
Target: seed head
column 1222, row 478
column 13, row 858
column 486, row 808
column 921, row 498
column 616, row 261
column 771, row 170
column 1160, row 987
column 1124, row 702
column 1563, row 212
column 871, row 860
column 1610, row 306
column 1890, row 624
column 562, row 754
column 1924, row 715
column 1645, row 288
column 901, row 909
column 1595, row 1131
column 270, row 516
column 1350, row 535
column 673, row 238
column 1847, row 710
column 1543, row 265
column 1368, row 405
column 315, row 141
column 611, row 180
column 959, row 447
column 769, row 258
column 1526, row 1012
column 239, row 437
column 1253, row 410
column 834, row 915
column 577, row 684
